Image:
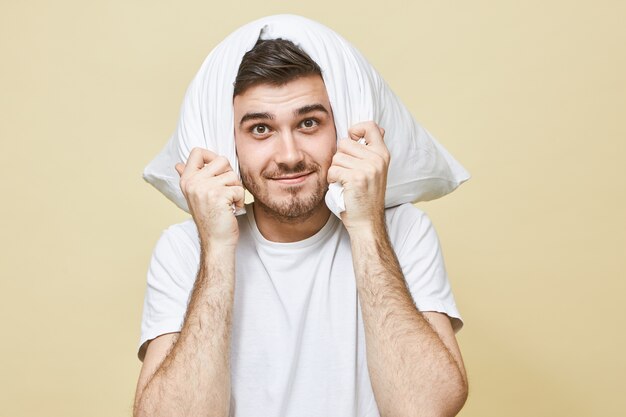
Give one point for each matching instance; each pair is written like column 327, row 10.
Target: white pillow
column 420, row 169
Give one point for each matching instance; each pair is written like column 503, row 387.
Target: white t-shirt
column 298, row 345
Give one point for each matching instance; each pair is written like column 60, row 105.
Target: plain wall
column 529, row 96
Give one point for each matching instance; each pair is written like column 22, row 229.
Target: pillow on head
column 420, row 168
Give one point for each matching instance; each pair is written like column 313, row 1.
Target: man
column 284, row 300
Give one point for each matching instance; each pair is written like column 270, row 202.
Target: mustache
column 299, row 168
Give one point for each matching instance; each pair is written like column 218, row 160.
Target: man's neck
column 286, row 230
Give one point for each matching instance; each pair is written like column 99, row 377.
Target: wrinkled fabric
column 420, row 168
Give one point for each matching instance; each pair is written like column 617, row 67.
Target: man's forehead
column 292, row 96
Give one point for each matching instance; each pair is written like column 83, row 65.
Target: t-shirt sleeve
column 419, row 253
column 171, row 275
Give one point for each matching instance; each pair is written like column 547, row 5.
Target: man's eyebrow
column 255, row 116
column 309, row 109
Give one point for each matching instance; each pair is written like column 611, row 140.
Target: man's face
column 286, row 138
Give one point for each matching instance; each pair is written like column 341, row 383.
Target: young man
column 291, row 311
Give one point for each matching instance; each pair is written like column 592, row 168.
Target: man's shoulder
column 405, row 214
column 186, row 232
column 404, row 220
column 184, row 229
column 178, row 238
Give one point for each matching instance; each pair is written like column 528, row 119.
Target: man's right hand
column 189, row 373
column 211, row 189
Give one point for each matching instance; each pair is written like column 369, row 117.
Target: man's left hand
column 362, row 171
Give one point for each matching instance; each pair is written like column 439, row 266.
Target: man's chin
column 291, row 207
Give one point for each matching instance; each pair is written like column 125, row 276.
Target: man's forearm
column 411, row 370
column 194, row 378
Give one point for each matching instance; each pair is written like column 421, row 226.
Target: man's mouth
column 291, row 179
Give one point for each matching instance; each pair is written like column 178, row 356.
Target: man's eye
column 260, row 129
column 308, row 123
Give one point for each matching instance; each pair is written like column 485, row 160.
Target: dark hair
column 275, row 62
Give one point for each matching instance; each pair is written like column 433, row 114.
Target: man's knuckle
column 190, row 188
column 372, row 171
column 380, row 162
column 359, row 177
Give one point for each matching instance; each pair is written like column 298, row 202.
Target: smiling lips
column 292, row 179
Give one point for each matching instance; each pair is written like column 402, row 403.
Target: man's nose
column 288, row 151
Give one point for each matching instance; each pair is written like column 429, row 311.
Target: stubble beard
column 295, row 209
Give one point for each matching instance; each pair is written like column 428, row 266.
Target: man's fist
column 212, row 191
column 361, row 168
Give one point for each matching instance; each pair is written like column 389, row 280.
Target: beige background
column 529, row 96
